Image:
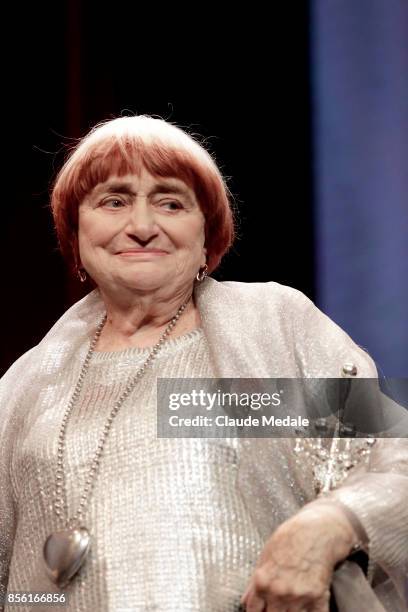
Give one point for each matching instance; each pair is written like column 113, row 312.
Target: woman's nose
column 141, row 222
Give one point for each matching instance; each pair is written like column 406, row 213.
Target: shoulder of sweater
column 85, row 310
column 312, row 330
column 81, row 316
column 17, row 368
column 268, row 292
column 13, row 385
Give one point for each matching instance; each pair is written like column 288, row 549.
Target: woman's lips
column 142, row 252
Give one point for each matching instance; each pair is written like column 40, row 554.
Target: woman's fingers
column 255, row 603
column 246, row 592
column 301, row 607
column 264, row 596
column 294, row 570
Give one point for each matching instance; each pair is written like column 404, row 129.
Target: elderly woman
column 94, row 506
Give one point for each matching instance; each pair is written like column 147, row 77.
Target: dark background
column 242, row 81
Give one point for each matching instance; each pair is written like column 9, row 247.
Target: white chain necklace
column 65, row 550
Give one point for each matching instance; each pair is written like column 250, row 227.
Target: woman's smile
column 141, row 253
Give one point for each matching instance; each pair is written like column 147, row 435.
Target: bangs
column 121, row 156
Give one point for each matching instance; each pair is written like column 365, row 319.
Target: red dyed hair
column 126, row 145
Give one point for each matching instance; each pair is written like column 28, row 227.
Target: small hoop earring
column 202, row 273
column 82, row 275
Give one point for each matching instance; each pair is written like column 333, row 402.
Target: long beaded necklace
column 65, row 551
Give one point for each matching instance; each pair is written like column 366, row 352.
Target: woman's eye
column 171, row 205
column 113, row 203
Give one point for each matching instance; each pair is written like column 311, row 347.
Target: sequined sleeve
column 10, row 391
column 377, row 494
column 6, row 516
column 379, row 498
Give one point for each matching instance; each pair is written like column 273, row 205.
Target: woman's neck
column 141, row 321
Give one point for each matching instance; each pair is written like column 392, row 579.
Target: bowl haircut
column 125, row 146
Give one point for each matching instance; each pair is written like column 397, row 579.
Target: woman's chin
column 142, row 282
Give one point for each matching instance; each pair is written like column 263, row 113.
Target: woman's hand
column 294, row 571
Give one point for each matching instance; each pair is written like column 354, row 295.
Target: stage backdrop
column 360, row 103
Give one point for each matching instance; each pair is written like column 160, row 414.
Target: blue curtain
column 360, row 122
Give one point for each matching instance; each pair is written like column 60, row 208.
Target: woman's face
column 139, row 232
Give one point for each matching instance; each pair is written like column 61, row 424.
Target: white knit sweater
column 178, row 524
